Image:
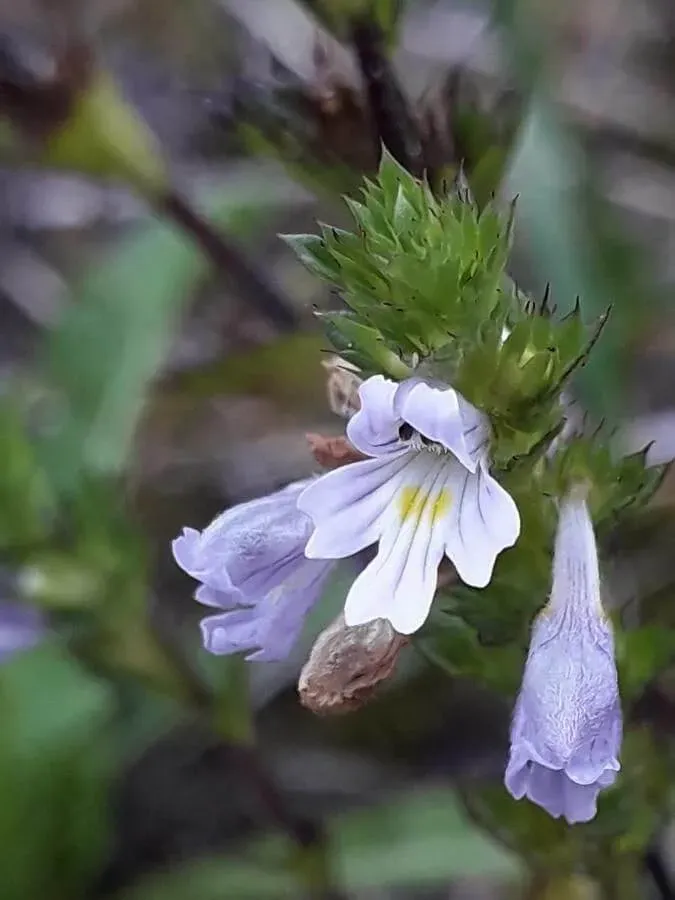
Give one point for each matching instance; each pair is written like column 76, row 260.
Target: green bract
column 424, row 279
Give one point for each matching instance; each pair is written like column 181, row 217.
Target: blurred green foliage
column 424, row 280
column 55, row 772
column 109, row 346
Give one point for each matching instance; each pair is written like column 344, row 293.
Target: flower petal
column 483, row 521
column 21, row 627
column 580, row 802
column 230, row 632
column 285, row 610
column 249, row 547
column 271, row 627
column 186, row 550
column 348, row 504
column 516, row 777
column 598, row 759
column 554, row 791
column 399, row 584
column 443, row 416
column 545, row 787
column 374, row 428
column 208, row 596
column 576, row 573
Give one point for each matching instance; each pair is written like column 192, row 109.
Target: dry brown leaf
column 332, row 452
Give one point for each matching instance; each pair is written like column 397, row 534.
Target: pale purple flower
column 567, row 727
column 21, row 627
column 425, row 492
column 251, row 563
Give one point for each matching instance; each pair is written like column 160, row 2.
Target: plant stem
column 230, row 260
column 654, row 866
column 396, row 126
column 622, row 878
column 229, row 714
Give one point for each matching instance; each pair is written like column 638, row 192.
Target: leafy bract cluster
column 425, row 285
column 417, row 274
column 426, row 292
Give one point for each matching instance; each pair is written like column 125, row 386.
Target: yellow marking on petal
column 413, row 502
column 441, row 505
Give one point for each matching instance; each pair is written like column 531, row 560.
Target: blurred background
column 160, row 360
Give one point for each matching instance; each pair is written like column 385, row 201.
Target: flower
column 566, row 730
column 21, row 627
column 251, row 563
column 426, row 490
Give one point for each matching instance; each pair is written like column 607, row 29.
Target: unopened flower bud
column 347, row 665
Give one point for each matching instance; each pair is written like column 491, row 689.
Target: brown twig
column 230, row 260
column 396, row 127
column 39, row 106
column 307, row 834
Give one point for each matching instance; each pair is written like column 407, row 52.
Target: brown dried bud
column 342, row 387
column 347, row 665
column 332, row 452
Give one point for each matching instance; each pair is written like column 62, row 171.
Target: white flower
column 425, row 492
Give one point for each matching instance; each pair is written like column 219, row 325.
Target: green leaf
column 391, row 176
column 419, row 838
column 616, row 485
column 568, row 248
column 104, row 136
column 113, row 339
column 54, row 772
column 366, row 340
column 216, row 880
column 313, row 253
column 455, row 647
column 26, row 505
column 641, row 655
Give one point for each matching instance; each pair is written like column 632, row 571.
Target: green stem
column 559, row 886
column 621, row 878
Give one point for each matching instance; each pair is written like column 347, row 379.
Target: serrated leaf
column 391, row 176
column 368, row 341
column 404, row 211
column 312, row 252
